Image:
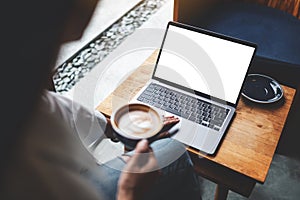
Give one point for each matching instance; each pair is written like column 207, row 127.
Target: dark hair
column 32, row 33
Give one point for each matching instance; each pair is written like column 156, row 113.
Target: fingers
column 143, row 159
column 142, row 147
column 140, row 172
column 171, row 120
column 109, row 131
column 166, row 134
column 162, row 135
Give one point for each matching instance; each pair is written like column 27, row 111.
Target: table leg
column 221, row 192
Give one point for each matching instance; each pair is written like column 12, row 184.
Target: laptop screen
column 204, row 62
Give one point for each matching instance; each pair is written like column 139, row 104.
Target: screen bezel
column 213, row 34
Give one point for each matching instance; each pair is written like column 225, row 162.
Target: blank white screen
column 204, row 63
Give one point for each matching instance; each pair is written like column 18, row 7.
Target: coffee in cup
column 134, row 122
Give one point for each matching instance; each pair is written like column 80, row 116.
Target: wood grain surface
column 250, row 143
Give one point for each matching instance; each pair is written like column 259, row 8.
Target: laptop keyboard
column 191, row 108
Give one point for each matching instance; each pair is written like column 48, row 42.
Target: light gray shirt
column 52, row 154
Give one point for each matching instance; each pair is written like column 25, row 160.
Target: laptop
column 198, row 77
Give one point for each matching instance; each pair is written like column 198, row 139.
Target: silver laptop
column 198, row 77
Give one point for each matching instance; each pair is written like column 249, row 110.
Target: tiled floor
column 283, row 181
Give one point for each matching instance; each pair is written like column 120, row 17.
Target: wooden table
column 245, row 154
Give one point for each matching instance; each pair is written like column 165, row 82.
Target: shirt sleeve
column 88, row 124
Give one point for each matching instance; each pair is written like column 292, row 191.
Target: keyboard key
column 216, row 128
column 180, row 104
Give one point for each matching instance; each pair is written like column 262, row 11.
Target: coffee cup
column 134, row 122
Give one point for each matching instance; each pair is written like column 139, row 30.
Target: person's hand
column 109, row 131
column 169, row 122
column 139, row 174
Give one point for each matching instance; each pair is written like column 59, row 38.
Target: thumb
column 141, row 155
column 142, row 146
